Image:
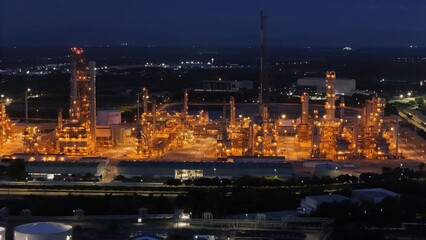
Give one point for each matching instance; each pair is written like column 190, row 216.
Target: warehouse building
column 311, row 203
column 57, row 169
column 373, row 195
column 184, row 170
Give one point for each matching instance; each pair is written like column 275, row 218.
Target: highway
column 412, row 145
column 414, row 118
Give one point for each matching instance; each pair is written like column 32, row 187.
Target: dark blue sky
column 301, row 23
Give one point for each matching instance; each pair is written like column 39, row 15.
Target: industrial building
column 223, row 86
column 52, row 170
column 373, row 195
column 29, row 157
column 311, row 203
column 108, row 117
column 158, row 169
column 343, row 86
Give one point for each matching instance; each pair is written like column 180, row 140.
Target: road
column 414, row 118
column 14, row 192
column 412, row 145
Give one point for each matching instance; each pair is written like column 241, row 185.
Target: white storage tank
column 2, row 233
column 43, row 231
column 108, row 117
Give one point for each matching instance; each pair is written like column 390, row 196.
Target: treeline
column 92, row 205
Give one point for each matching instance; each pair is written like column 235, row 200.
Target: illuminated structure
column 232, row 114
column 5, row 124
column 330, row 106
column 77, row 136
column 142, row 131
column 368, row 135
column 158, row 131
column 303, row 130
column 223, row 141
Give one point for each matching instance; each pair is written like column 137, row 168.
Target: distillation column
column 223, row 141
column 315, row 136
column 3, row 123
column 75, row 137
column 232, row 112
column 342, row 108
column 330, row 106
column 303, row 131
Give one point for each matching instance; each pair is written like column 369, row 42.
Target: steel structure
column 78, row 136
column 5, row 124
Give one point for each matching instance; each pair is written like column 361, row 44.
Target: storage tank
column 43, row 231
column 2, row 233
column 108, row 117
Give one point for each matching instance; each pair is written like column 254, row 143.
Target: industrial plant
column 158, row 132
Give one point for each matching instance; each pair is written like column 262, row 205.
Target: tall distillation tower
column 5, row 124
column 330, row 105
column 330, row 126
column 78, row 136
column 303, row 130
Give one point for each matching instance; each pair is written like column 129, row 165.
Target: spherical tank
column 43, row 231
column 2, row 233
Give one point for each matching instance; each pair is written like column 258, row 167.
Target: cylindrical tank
column 43, row 231
column 2, row 233
column 108, row 117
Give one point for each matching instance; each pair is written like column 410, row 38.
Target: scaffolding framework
column 78, row 136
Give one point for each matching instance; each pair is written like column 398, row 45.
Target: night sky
column 215, row 23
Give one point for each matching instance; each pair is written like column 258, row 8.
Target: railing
column 286, row 224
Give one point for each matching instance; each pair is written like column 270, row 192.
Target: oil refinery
column 156, row 133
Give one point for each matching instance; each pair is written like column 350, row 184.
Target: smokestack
column 265, row 68
column 145, row 98
column 92, row 96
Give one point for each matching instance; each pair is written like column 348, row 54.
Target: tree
column 16, row 169
column 419, row 101
column 421, row 167
column 173, row 182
